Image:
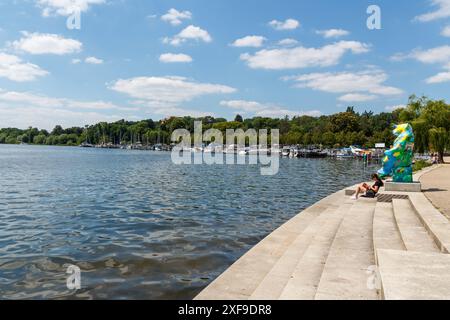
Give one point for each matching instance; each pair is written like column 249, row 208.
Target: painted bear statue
column 397, row 162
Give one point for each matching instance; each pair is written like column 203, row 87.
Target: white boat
column 197, row 149
column 361, row 153
column 344, row 153
column 356, row 151
column 214, row 148
column 286, row 152
column 232, row 149
column 256, row 150
column 243, row 151
column 294, row 153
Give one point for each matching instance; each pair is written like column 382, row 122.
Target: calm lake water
column 138, row 226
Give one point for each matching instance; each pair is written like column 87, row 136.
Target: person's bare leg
column 359, row 190
column 355, row 196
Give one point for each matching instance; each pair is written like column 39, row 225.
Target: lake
column 137, row 225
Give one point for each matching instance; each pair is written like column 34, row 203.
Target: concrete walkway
column 393, row 247
column 436, row 187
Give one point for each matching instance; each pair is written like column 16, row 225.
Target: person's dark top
column 378, row 184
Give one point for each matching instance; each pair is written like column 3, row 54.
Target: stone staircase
column 341, row 249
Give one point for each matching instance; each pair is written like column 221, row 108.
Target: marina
column 284, row 151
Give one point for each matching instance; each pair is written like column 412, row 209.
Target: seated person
column 369, row 191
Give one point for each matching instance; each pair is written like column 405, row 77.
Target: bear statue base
column 403, row 187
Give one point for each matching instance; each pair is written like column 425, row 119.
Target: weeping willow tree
column 421, row 133
column 431, row 122
column 439, row 141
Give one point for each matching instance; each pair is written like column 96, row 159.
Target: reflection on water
column 138, row 226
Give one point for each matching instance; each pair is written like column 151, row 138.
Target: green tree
column 328, row 139
column 11, row 140
column 3, row 137
column 344, row 122
column 422, row 134
column 432, row 125
column 316, row 138
column 58, row 130
column 307, row 139
column 39, row 139
column 238, row 118
column 439, row 141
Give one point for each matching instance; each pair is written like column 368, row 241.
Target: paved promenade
column 395, row 247
column 436, row 186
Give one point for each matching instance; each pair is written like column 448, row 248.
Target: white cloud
column 35, row 100
column 443, row 11
column 243, row 105
column 357, row 97
column 46, row 118
column 399, row 57
column 175, row 58
column 44, row 43
column 249, row 41
column 65, row 7
column 301, row 57
column 265, row 110
column 88, row 60
column 163, row 92
column 446, row 31
column 289, row 24
column 434, row 55
column 23, row 109
column 439, row 55
column 439, row 78
column 195, row 33
column 175, row 17
column 288, row 42
column 180, row 112
column 93, row 60
column 333, row 33
column 396, row 107
column 281, row 113
column 189, row 33
column 360, row 86
column 13, row 68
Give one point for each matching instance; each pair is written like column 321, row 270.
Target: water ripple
column 138, row 226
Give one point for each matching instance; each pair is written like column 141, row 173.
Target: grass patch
column 421, row 164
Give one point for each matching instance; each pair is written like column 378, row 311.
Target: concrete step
column 413, row 233
column 305, row 276
column 241, row 279
column 345, row 274
column 407, row 275
column 273, row 284
column 433, row 220
column 385, row 232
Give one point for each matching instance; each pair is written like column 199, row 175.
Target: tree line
column 430, row 119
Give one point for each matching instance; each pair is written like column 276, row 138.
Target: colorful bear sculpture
column 397, row 162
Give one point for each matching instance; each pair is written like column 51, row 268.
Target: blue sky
column 141, row 59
